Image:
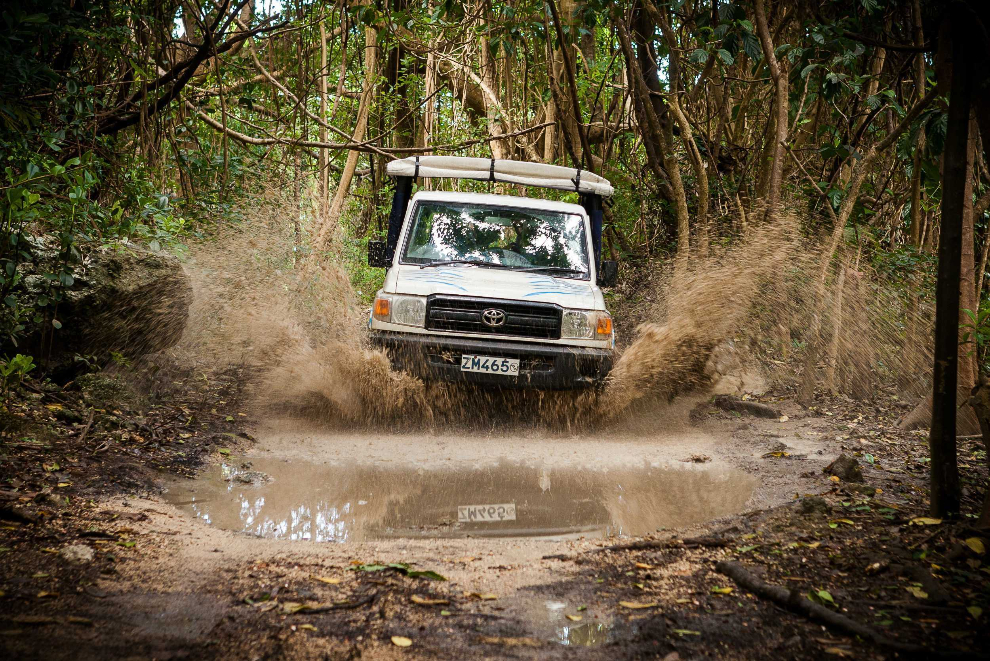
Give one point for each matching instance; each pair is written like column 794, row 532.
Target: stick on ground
column 798, row 603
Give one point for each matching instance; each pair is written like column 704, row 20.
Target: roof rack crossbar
column 523, row 173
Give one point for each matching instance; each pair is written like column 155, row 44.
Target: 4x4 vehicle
column 495, row 289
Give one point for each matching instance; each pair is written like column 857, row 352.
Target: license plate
column 489, row 365
column 474, row 513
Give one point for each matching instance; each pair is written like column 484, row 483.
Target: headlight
column 405, row 310
column 409, row 310
column 581, row 325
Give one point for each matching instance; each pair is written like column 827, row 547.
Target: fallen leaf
column 917, row 592
column 34, row 619
column 445, row 613
column 328, row 581
column 484, row 596
column 823, row 597
column 224, row 451
column 423, row 601
column 401, row 641
column 683, row 601
column 783, row 418
column 39, row 574
column 582, row 608
column 634, row 604
column 838, row 651
column 976, row 544
column 83, row 621
column 845, row 521
column 574, row 618
column 686, row 632
column 925, row 521
column 308, row 627
column 834, row 478
column 722, row 590
column 975, row 611
column 643, row 565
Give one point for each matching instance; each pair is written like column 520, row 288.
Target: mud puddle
column 298, row 500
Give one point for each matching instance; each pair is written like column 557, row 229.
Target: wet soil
column 630, row 576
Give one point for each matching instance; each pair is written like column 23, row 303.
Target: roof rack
column 511, row 172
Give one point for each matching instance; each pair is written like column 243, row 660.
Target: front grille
column 454, row 313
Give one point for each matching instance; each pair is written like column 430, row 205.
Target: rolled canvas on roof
column 513, row 172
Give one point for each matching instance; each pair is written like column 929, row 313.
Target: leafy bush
column 13, row 370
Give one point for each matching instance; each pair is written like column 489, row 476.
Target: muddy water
column 298, row 500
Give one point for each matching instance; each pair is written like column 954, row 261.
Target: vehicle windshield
column 504, row 237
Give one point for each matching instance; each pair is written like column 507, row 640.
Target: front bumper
column 542, row 366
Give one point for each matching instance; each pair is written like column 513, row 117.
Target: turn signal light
column 383, row 309
column 604, row 326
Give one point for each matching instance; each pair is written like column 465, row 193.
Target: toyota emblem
column 493, row 317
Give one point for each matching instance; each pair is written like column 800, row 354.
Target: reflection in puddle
column 585, row 635
column 338, row 503
column 568, row 632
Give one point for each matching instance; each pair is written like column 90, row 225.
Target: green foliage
column 976, row 335
column 13, row 370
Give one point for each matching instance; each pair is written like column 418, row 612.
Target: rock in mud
column 862, row 489
column 76, row 554
column 254, row 478
column 845, row 468
column 730, row 403
column 814, row 505
column 122, row 300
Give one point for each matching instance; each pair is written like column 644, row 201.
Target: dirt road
column 280, row 547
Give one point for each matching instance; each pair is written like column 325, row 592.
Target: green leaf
column 698, row 56
column 726, row 57
column 823, row 597
column 432, row 575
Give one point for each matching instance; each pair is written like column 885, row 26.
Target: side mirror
column 376, row 254
column 608, row 273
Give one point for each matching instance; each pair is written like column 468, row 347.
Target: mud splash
column 296, row 500
column 771, row 301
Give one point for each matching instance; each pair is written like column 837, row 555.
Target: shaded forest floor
column 96, row 565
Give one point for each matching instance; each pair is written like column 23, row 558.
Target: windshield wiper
column 553, row 269
column 472, row 262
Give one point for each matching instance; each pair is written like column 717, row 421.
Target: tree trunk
column 942, row 438
column 329, row 225
column 779, row 76
column 967, row 286
column 323, row 156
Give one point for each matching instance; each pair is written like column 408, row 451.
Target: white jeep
column 495, row 289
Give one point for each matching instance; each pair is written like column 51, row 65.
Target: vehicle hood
column 495, row 283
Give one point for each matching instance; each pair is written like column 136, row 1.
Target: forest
column 805, row 178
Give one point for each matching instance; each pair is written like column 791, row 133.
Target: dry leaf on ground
column 423, row 601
